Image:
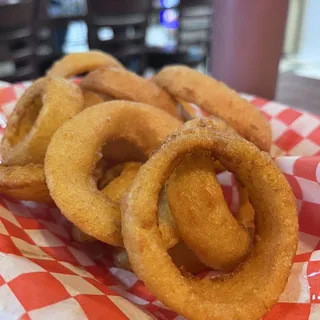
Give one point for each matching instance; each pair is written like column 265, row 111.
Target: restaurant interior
column 281, row 63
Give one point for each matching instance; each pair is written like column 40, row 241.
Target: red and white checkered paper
column 44, row 275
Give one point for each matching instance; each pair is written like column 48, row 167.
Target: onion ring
column 116, row 188
column 245, row 214
column 181, row 256
column 167, row 225
column 122, row 84
column 223, row 241
column 109, row 174
column 121, row 176
column 24, row 182
column 81, row 62
column 91, row 98
column 44, row 106
column 202, row 216
column 223, row 246
column 72, row 155
column 116, row 181
column 217, row 99
column 266, row 270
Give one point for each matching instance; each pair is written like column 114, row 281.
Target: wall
column 310, row 37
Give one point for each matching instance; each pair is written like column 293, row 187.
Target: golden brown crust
column 44, row 106
column 203, row 219
column 116, row 188
column 81, row 62
column 108, row 174
column 125, row 85
column 217, row 99
column 91, row 98
column 72, row 155
column 266, row 270
column 167, row 225
column 181, row 256
column 223, row 242
column 245, row 214
column 115, row 182
column 24, row 182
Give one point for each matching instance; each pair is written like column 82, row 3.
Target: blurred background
column 270, row 48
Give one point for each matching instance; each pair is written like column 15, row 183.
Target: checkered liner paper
column 44, row 275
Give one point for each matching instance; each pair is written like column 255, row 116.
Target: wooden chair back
column 17, row 40
column 119, row 27
column 194, row 32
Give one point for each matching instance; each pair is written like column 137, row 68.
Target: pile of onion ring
column 116, row 158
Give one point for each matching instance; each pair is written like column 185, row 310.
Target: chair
column 52, row 21
column 17, row 47
column 193, row 40
column 119, row 27
column 194, row 33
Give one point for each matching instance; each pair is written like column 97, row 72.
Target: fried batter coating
column 78, row 63
column 44, row 106
column 122, row 84
column 256, row 285
column 217, row 99
column 202, row 216
column 72, row 155
column 91, row 98
column 181, row 256
column 26, row 182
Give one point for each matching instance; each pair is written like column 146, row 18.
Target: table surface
column 299, row 92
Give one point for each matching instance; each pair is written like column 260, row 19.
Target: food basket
column 44, row 275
